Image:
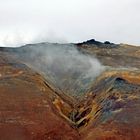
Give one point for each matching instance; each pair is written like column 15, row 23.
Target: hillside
column 85, row 91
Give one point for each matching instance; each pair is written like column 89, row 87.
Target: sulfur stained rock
column 27, row 111
column 31, row 108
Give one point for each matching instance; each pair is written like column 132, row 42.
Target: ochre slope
column 33, row 109
column 27, row 111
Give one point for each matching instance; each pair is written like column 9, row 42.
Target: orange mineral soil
column 33, row 109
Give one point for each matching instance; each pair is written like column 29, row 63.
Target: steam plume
column 64, row 65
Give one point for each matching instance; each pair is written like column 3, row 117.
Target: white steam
column 63, row 65
column 18, row 37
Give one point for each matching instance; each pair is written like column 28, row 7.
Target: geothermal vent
column 63, row 66
column 85, row 91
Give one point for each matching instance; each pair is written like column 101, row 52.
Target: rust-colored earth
column 33, row 109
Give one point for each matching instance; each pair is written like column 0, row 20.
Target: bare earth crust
column 32, row 109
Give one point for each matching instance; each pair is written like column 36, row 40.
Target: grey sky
column 29, row 21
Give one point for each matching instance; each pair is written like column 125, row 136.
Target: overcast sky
column 29, row 21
